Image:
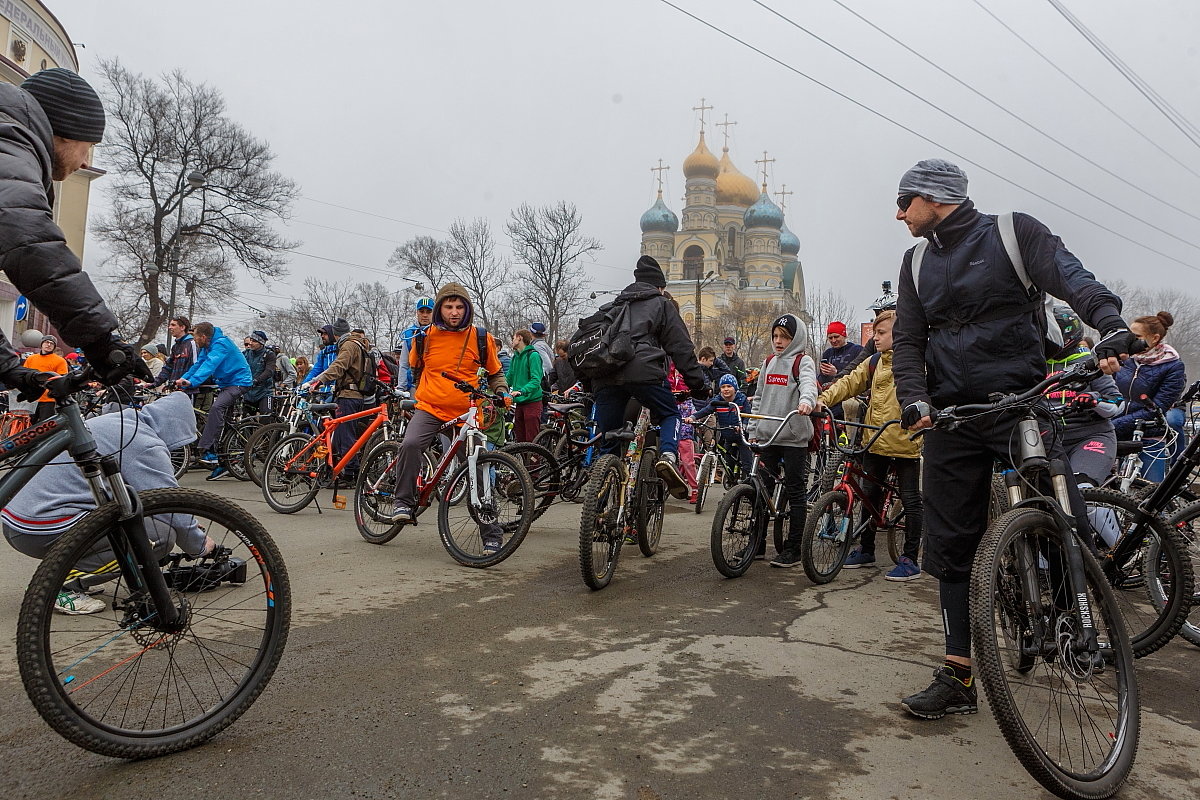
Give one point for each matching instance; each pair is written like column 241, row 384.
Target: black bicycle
column 184, row 644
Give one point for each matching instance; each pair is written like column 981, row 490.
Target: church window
column 693, row 263
column 732, row 241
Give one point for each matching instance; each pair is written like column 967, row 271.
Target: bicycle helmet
column 1072, row 330
column 885, row 301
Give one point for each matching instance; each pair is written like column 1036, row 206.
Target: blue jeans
column 611, row 402
column 1157, row 458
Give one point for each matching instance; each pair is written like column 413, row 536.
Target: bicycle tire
column 573, row 471
column 703, row 478
column 1154, row 588
column 1186, row 522
column 896, row 529
column 181, row 460
column 1056, row 666
column 103, row 667
column 289, row 492
column 260, row 445
column 549, row 438
column 832, row 471
column 231, row 451
column 827, row 537
column 512, row 498
column 649, row 503
column 543, row 471
column 600, row 535
column 374, row 494
column 736, row 531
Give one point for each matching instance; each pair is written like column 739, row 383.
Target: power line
column 925, row 138
column 972, row 128
column 1015, row 116
column 1178, row 120
column 1087, row 91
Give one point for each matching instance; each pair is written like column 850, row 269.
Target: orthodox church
column 733, row 243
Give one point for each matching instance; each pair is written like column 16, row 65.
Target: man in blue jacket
column 221, row 360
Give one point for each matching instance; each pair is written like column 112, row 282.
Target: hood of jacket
column 637, row 291
column 25, row 109
column 799, row 343
column 954, row 227
column 171, row 419
column 453, row 289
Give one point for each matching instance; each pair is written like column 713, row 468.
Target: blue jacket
column 1163, row 383
column 222, row 361
column 725, row 415
column 325, row 357
column 405, row 379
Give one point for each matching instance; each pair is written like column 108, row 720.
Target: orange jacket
column 48, row 363
column 456, row 353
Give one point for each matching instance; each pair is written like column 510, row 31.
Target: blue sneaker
column 906, row 570
column 402, row 513
column 209, row 459
column 858, row 558
column 218, row 472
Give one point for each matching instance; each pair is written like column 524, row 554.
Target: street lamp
column 594, row 295
column 196, row 180
column 700, row 284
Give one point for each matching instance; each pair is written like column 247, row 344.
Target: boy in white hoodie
column 787, row 382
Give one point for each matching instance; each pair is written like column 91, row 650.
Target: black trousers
column 908, row 481
column 795, row 485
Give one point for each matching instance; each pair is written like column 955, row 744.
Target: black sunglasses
column 905, row 200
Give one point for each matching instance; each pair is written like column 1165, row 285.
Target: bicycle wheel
column 600, row 534
column 831, row 473
column 1153, row 583
column 1186, row 522
column 181, row 460
column 703, row 477
column 231, row 452
column 549, row 438
column 543, row 471
column 737, row 531
column 570, row 458
column 1071, row 718
column 649, row 503
column 501, row 511
column 374, row 494
column 828, row 534
column 259, row 446
column 292, row 476
column 895, row 530
column 117, row 684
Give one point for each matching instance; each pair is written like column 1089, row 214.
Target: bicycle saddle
column 563, row 408
column 318, row 408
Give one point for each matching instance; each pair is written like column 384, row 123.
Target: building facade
column 731, row 247
column 34, row 40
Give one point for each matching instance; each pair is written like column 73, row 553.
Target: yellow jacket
column 883, row 406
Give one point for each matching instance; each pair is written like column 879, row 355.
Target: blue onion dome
column 660, row 219
column 789, row 273
column 789, row 243
column 764, row 213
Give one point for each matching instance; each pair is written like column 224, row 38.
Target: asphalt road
column 409, row 676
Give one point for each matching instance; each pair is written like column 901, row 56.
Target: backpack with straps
column 1052, row 340
column 418, row 344
column 604, row 342
column 368, row 383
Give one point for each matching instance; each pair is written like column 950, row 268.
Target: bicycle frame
column 325, row 437
column 478, row 444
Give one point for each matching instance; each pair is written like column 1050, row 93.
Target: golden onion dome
column 734, row 188
column 701, row 163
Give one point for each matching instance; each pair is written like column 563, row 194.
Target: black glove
column 703, row 393
column 1084, row 401
column 1116, row 343
column 113, row 359
column 30, row 382
column 914, row 412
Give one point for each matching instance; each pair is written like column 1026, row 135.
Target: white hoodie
column 779, row 393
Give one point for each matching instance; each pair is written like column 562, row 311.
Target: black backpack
column 604, row 342
column 368, row 384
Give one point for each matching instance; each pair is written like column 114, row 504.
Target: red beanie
column 836, row 327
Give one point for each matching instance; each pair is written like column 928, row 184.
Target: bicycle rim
column 111, row 682
column 181, row 460
column 600, row 534
column 543, row 472
column 1071, row 719
column 703, row 476
column 233, row 448
column 1186, row 522
column 503, row 512
column 896, row 530
column 734, row 538
column 290, row 481
column 651, row 498
column 259, row 447
column 374, row 494
column 828, row 534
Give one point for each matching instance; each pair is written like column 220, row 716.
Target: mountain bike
column 298, row 414
column 739, row 527
column 1050, row 645
column 184, row 645
column 623, row 500
column 488, row 492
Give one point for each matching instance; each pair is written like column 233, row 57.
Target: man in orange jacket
column 46, row 360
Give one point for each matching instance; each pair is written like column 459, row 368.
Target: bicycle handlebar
column 852, row 451
column 467, row 388
column 756, row 445
column 952, row 416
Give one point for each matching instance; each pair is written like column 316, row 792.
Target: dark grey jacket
column 33, row 250
column 944, row 357
column 658, row 334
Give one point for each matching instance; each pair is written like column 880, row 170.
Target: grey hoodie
column 58, row 494
column 778, row 393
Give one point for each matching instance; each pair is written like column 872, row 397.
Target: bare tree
column 748, row 321
column 824, row 306
column 1184, row 335
column 160, row 132
column 471, row 252
column 422, row 258
column 548, row 241
column 370, row 306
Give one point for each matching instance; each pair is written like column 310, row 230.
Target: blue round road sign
column 22, row 307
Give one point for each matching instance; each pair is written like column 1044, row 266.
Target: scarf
column 1161, row 353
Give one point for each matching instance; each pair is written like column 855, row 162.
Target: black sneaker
column 946, row 695
column 667, row 468
column 787, row 559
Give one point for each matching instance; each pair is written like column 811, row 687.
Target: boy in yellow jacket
column 892, row 449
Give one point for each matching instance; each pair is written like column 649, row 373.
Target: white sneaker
column 78, row 603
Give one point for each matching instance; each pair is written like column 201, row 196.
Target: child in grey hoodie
column 787, row 382
column 57, row 496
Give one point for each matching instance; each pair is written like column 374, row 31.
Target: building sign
column 46, row 37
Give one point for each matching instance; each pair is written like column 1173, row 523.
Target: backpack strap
column 1008, row 235
column 918, row 256
column 481, row 339
column 872, row 363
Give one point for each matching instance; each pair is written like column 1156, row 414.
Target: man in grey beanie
column 47, row 128
column 971, row 321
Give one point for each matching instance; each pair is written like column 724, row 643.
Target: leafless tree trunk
column 423, row 258
column 825, row 306
column 548, row 241
column 160, row 131
column 1184, row 335
column 370, row 306
column 747, row 321
column 471, row 253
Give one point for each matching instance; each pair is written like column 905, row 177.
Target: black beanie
column 789, row 322
column 648, row 271
column 340, row 327
column 71, row 104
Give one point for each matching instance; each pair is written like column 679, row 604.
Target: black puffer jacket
column 33, row 251
column 658, row 334
column 940, row 354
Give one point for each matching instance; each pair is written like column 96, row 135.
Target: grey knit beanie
column 71, row 104
column 937, row 179
column 340, row 327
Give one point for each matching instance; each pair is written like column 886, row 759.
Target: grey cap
column 937, row 179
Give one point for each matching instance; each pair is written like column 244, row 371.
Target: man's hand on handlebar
column 917, row 416
column 1116, row 346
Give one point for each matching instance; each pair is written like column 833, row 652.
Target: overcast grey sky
column 424, row 112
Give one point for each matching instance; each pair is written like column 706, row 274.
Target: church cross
column 660, row 169
column 782, row 194
column 702, row 108
column 764, row 161
column 725, row 125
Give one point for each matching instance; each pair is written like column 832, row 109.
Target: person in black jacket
column 968, row 327
column 47, row 128
column 658, row 335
